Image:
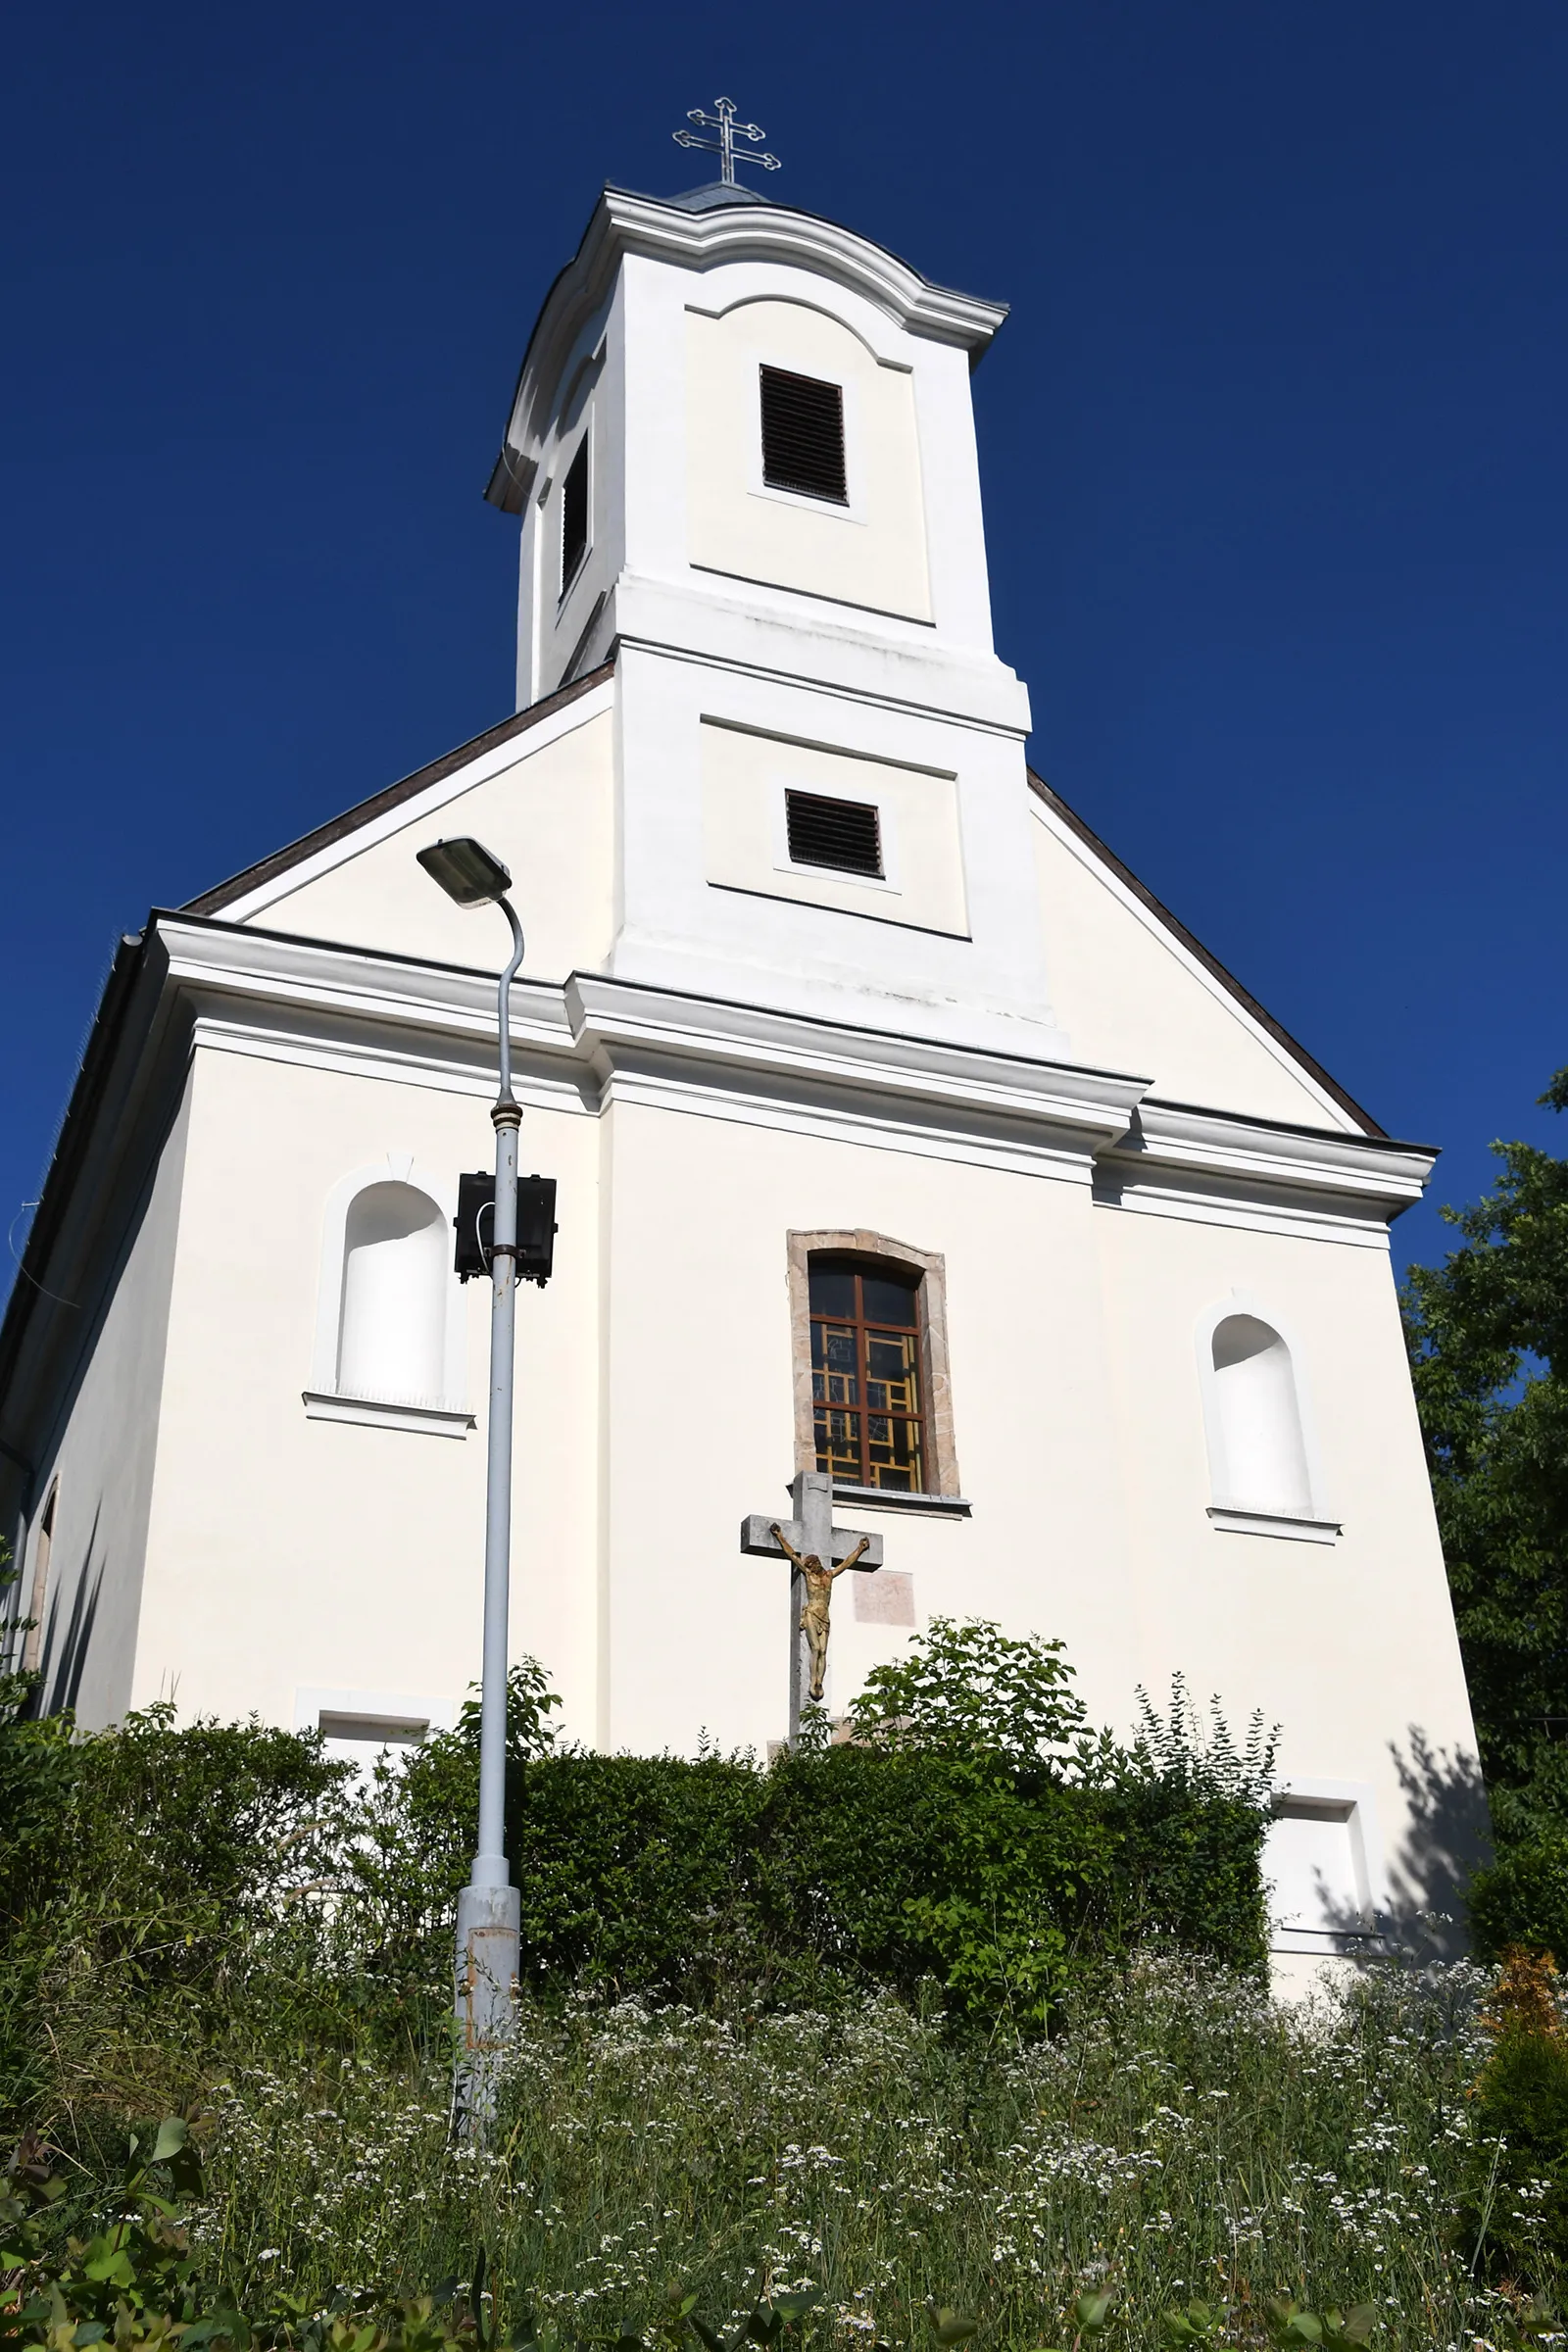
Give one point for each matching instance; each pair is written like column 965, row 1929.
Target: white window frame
column 323, row 1400
column 1237, row 1518
column 1355, row 1801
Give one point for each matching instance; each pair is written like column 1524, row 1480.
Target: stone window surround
column 931, row 1267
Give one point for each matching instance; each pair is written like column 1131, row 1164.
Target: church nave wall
column 288, row 1550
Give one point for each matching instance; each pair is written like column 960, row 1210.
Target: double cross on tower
column 722, row 120
column 818, row 1551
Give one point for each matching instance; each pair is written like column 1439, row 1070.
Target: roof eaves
column 1210, row 964
column 71, row 1145
column 337, row 828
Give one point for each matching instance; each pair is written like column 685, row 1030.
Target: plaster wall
column 286, row 1551
column 868, row 552
column 746, row 778
column 104, row 1455
column 1133, row 999
column 656, row 1410
column 825, row 950
column 546, row 809
column 1349, row 1645
column 698, row 1377
column 589, row 406
column 1080, row 1438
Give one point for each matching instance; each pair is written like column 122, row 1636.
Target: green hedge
column 653, row 1875
column 235, row 1879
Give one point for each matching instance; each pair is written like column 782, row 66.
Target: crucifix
column 818, row 1551
column 722, row 120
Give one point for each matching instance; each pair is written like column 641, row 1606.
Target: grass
column 1183, row 2138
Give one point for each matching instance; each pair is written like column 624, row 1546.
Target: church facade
column 899, row 1134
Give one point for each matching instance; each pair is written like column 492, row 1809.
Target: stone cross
column 811, row 1529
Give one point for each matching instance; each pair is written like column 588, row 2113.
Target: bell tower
column 742, row 452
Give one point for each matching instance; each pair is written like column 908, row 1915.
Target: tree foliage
column 1488, row 1333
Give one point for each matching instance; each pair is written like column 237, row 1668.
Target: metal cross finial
column 722, row 120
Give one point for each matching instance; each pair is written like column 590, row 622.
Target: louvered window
column 844, row 834
column 575, row 517
column 803, row 436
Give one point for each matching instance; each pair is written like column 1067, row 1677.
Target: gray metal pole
column 489, row 1906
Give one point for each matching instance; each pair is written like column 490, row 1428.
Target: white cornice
column 1213, row 1167
column 625, row 224
column 643, row 1032
column 593, row 1040
column 1389, row 1176
column 753, row 634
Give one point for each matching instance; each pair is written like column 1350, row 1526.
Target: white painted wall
column 286, row 1550
column 544, row 803
column 1133, row 999
column 745, row 780
column 103, row 1450
column 870, row 552
column 829, row 951
column 1350, row 1645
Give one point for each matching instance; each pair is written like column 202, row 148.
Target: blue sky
column 1273, row 444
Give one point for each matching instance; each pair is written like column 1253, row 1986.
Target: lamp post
column 489, row 1906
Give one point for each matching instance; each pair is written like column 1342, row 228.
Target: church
column 899, row 1134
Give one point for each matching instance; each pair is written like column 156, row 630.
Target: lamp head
column 466, row 870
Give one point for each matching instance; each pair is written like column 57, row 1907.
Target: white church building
column 900, row 1133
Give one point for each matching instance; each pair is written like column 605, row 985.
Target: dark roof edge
column 1255, row 1118
column 1210, row 964
column 71, row 1145
column 338, row 828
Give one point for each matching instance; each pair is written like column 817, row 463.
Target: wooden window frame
column 941, row 1464
column 43, row 1545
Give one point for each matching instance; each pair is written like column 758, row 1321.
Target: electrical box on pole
column 475, row 1225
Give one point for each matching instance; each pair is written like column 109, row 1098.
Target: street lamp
column 489, row 1907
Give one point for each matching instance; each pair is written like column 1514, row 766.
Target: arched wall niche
column 389, row 1333
column 392, row 1320
column 1263, row 1463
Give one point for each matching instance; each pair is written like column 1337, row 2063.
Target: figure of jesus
column 819, row 1582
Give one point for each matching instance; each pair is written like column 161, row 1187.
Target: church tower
column 742, row 450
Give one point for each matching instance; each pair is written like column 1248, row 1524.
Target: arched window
column 867, row 1387
column 874, row 1400
column 1261, row 1450
column 392, row 1330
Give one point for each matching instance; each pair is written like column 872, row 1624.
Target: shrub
column 1522, row 1899
column 1514, row 2212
